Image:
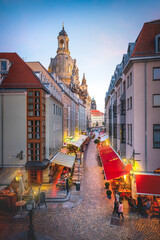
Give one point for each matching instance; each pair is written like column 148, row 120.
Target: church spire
column 84, row 79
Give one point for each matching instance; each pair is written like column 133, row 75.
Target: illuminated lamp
column 128, row 167
column 18, row 176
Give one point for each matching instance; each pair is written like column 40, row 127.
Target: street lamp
column 30, row 233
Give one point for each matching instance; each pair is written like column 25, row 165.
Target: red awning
column 148, row 184
column 112, row 164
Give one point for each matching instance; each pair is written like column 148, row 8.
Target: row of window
column 121, row 107
column 57, row 110
column 122, row 127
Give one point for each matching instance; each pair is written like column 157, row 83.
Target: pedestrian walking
column 67, row 185
column 115, row 206
column 139, row 204
column 120, row 210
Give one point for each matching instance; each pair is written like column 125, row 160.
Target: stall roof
column 79, row 142
column 2, row 187
column 103, row 138
column 112, row 164
column 148, row 184
column 64, row 160
column 7, row 174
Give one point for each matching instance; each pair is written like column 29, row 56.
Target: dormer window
column 4, row 65
column 157, row 43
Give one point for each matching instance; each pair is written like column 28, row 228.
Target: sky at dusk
column 99, row 33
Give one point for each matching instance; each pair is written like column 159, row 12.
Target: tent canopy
column 64, row 160
column 79, row 142
column 148, row 184
column 112, row 164
column 104, row 137
column 7, row 174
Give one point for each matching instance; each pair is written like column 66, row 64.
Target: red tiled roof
column 145, row 43
column 20, row 75
column 96, row 113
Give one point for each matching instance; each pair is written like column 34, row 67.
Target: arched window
column 62, row 43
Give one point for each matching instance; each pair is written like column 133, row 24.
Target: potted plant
column 107, row 185
column 109, row 192
column 96, row 141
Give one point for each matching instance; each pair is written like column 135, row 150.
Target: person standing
column 139, row 204
column 120, row 210
column 115, row 206
column 67, row 185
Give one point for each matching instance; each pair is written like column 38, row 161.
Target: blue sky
column 99, row 33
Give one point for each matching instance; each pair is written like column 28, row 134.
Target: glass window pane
column 37, row 151
column 37, row 158
column 30, row 123
column 30, row 106
column 30, row 152
column 37, row 135
column 37, row 123
column 30, row 129
column 3, row 65
column 30, row 145
column 37, row 106
column 30, row 136
column 30, row 100
column 37, row 113
column 156, row 73
column 37, row 100
column 156, row 100
column 37, row 129
column 30, row 93
column 30, row 113
column 37, row 145
column 37, row 93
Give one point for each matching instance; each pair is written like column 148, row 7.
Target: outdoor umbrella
column 21, row 190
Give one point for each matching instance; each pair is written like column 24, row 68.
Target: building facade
column 133, row 100
column 64, row 67
column 28, row 119
column 97, row 118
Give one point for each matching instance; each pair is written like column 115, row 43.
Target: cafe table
column 20, row 203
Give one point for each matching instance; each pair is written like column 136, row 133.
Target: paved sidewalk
column 87, row 216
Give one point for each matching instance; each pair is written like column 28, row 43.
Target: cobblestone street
column 90, row 219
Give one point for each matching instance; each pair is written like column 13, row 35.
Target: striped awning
column 104, row 137
column 64, row 160
column 7, row 174
column 148, row 183
column 112, row 164
column 79, row 142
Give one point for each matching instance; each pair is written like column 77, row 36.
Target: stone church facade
column 65, row 67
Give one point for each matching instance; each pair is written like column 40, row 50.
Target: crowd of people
column 141, row 205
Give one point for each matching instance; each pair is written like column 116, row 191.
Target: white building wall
column 53, row 127
column 130, row 113
column 153, row 117
column 14, row 128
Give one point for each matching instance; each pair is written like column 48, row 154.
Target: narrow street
column 90, row 219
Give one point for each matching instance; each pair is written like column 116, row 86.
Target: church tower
column 63, row 65
column 63, row 42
